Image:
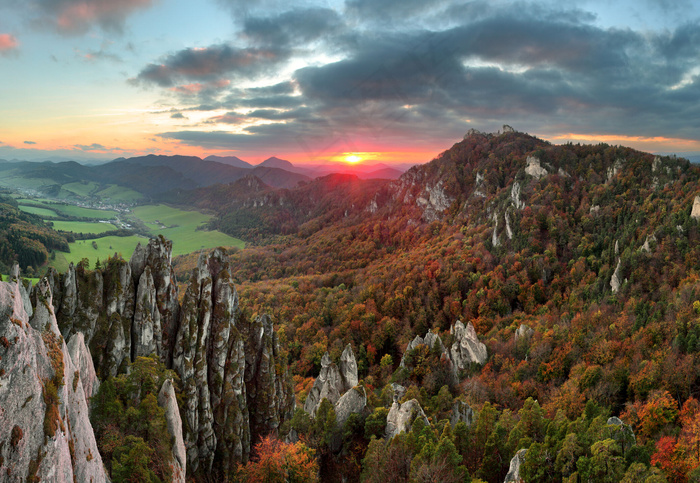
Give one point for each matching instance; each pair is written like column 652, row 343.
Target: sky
column 396, row 81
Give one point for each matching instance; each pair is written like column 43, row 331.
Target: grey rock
column 615, row 279
column 328, row 385
column 82, row 360
column 146, row 327
column 695, row 212
column 524, row 332
column 461, row 412
column 534, row 168
column 401, row 417
column 32, row 360
column 348, row 368
column 515, row 196
column 621, row 432
column 513, row 475
column 398, row 391
column 466, row 348
column 168, row 401
column 431, row 340
column 353, row 401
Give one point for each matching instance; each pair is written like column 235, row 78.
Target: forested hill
column 589, row 252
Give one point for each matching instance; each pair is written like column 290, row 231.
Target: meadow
column 180, row 226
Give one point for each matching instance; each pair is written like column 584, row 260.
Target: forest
column 508, row 250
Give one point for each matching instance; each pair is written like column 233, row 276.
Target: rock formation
column 513, row 475
column 461, row 412
column 615, row 279
column 338, row 384
column 515, row 196
column 431, row 340
column 695, row 212
column 466, row 348
column 523, row 333
column 168, row 401
column 44, row 415
column 534, row 168
column 401, row 417
column 234, row 377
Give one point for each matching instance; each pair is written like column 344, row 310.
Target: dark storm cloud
column 211, row 63
column 531, row 66
column 295, row 27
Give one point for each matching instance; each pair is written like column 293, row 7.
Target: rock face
column 534, row 168
column 431, row 340
column 401, row 417
column 167, row 400
column 515, row 196
column 44, row 415
column 695, row 212
column 461, row 412
column 466, row 348
column 235, row 381
column 615, row 279
column 338, row 384
column 513, row 475
column 523, row 333
column 243, row 394
column 82, row 360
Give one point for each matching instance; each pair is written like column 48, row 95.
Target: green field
column 37, row 211
column 181, row 227
column 81, row 189
column 82, row 226
column 106, row 247
column 72, row 210
column 15, row 182
column 177, row 225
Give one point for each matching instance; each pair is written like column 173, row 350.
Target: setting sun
column 353, row 158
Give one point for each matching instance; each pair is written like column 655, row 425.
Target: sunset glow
column 132, row 77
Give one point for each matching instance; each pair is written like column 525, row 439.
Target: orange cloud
column 8, row 42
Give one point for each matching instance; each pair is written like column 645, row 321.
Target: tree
column 275, row 461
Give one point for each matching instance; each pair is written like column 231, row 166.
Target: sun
column 353, row 158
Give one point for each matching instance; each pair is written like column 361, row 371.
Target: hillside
column 511, row 310
column 576, row 264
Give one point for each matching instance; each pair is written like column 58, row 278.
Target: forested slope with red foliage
column 503, row 231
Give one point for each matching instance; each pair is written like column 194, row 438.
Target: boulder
column 615, row 279
column 348, row 368
column 401, row 417
column 329, row 385
column 523, row 332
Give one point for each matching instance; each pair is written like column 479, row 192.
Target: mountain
column 274, row 162
column 230, row 160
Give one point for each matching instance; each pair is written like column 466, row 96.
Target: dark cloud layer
column 475, row 64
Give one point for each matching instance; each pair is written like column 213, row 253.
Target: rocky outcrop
column 515, row 196
column 338, row 384
column 44, row 416
column 156, row 255
column 513, row 475
column 461, row 412
column 695, row 212
column 430, row 340
column 168, row 401
column 524, row 332
column 353, row 401
column 466, row 348
column 621, row 432
column 646, row 247
column 82, row 360
column 615, row 279
column 615, row 168
column 534, row 168
column 401, row 417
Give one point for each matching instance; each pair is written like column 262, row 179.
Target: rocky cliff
column 45, row 433
column 234, row 378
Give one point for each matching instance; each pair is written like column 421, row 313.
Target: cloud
column 177, row 115
column 29, row 142
column 295, row 27
column 8, row 43
column 210, row 64
column 96, row 147
column 72, row 17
